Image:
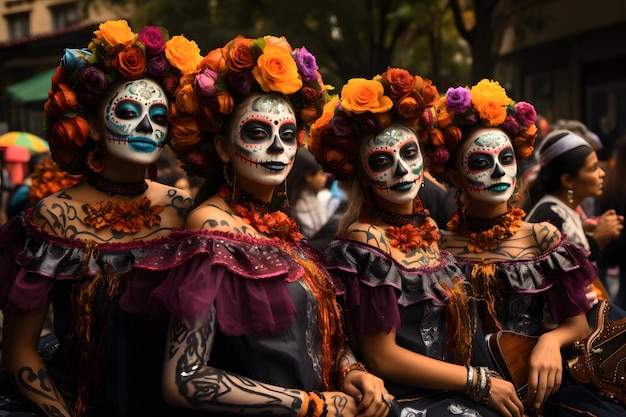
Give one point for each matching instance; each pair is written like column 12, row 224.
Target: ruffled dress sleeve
column 375, row 286
column 245, row 278
column 33, row 260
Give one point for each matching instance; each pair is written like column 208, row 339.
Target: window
column 19, row 25
column 64, row 15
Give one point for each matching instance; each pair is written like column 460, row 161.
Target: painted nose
column 145, row 125
column 401, row 171
column 497, row 172
column 276, row 146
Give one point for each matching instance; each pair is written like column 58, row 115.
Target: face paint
column 393, row 164
column 264, row 139
column 135, row 122
column 489, row 167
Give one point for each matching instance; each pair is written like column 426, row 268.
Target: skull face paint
column 488, row 166
column 393, row 164
column 135, row 122
column 264, row 139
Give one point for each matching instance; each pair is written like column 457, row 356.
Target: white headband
column 562, row 145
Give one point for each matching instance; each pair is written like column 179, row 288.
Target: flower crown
column 366, row 108
column 116, row 54
column 485, row 104
column 228, row 75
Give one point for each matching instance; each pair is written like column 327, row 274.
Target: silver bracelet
column 470, row 379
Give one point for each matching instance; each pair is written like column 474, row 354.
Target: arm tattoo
column 208, row 388
column 340, row 402
column 181, row 204
column 44, row 394
column 210, row 224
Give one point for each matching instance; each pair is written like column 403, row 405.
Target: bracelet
column 317, row 404
column 470, row 380
column 356, row 366
column 306, row 405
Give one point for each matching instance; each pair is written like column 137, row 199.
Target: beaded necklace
column 112, row 187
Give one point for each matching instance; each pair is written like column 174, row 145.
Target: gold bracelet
column 358, row 366
column 306, row 401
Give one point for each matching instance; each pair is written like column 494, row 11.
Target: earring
column 570, row 196
column 95, row 160
column 228, row 169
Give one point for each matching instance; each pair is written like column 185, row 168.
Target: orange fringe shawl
column 460, row 325
column 484, row 278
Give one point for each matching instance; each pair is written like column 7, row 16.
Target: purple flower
column 205, row 83
column 157, row 65
column 306, row 64
column 153, row 39
column 458, row 99
column 75, row 59
column 92, row 80
column 239, row 82
column 511, row 126
column 525, row 114
column 341, row 125
column 428, row 119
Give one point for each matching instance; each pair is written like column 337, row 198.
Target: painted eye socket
column 380, row 161
column 158, row 114
column 255, row 132
column 507, row 157
column 288, row 133
column 128, row 109
column 410, row 151
column 480, row 162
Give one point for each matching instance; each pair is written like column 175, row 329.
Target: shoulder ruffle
column 561, row 274
column 372, row 282
column 245, row 278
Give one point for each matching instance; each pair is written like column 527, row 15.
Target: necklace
column 257, row 214
column 112, row 187
column 486, row 234
column 407, row 231
column 125, row 217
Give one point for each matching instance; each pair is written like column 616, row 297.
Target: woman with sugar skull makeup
column 523, row 273
column 82, row 249
column 255, row 326
column 408, row 305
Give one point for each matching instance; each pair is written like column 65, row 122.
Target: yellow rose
column 114, row 33
column 187, row 100
column 360, row 95
column 277, row 71
column 183, row 54
column 273, row 40
column 491, row 102
column 444, row 115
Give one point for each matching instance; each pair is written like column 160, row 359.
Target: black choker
column 245, row 199
column 397, row 219
column 112, row 187
column 476, row 224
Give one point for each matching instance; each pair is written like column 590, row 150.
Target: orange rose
column 222, row 102
column 436, row 138
column 185, row 132
column 281, row 42
column 57, row 78
column 408, row 107
column 187, row 100
column 430, row 94
column 239, row 56
column 444, row 115
column 452, row 136
column 308, row 114
column 277, row 71
column 400, row 81
column 214, row 61
column 114, row 33
column 183, row 54
column 491, row 102
column 360, row 95
column 60, row 101
column 72, row 130
column 131, row 63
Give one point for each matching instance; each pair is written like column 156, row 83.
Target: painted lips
column 274, row 166
column 498, row 188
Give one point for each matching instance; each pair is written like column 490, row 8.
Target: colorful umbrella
column 34, row 143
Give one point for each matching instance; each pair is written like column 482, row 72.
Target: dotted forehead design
column 265, row 108
column 487, row 141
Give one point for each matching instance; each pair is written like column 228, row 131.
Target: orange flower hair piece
column 229, row 74
column 366, row 108
column 486, row 104
column 116, row 54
